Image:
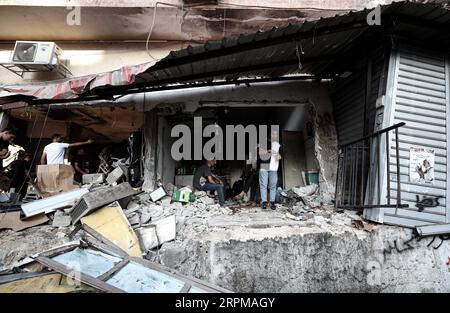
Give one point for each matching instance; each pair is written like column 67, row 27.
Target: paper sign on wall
column 421, row 165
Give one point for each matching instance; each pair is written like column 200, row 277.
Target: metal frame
column 21, row 69
column 349, row 167
column 111, row 249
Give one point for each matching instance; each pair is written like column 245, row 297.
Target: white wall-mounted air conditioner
column 36, row 55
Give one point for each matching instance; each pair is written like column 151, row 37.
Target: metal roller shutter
column 421, row 101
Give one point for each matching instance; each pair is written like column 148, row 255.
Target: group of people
column 18, row 173
column 268, row 163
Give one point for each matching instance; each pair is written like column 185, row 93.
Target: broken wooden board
column 157, row 232
column 11, row 220
column 50, row 282
column 111, row 223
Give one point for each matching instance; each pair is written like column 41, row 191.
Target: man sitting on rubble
column 205, row 180
column 54, row 152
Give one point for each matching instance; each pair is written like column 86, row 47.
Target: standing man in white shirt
column 268, row 172
column 54, row 152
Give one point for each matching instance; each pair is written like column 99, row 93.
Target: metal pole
column 379, row 168
column 344, row 179
column 338, row 181
column 388, row 170
column 355, row 174
column 363, row 166
column 397, row 153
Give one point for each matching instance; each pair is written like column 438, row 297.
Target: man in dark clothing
column 251, row 183
column 6, row 136
column 20, row 173
column 78, row 162
column 205, row 180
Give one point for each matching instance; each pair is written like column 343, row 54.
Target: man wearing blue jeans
column 268, row 172
column 205, row 180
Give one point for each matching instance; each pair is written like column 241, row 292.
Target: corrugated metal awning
column 311, row 48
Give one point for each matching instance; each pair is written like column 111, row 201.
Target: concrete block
column 61, row 220
column 157, row 233
column 158, row 194
column 166, row 201
column 93, row 178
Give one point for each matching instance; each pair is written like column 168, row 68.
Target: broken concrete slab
column 99, row 198
column 111, row 223
column 115, row 175
column 158, row 194
column 12, row 220
column 252, row 220
column 53, row 203
column 93, row 178
column 60, row 219
column 166, row 201
column 157, row 232
column 133, row 219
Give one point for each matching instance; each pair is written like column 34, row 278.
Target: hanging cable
column 153, row 25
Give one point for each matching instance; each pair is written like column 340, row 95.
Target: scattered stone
column 207, row 200
column 306, row 191
column 166, row 201
column 134, row 219
column 60, row 219
column 145, row 217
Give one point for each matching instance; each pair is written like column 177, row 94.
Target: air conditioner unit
column 36, row 55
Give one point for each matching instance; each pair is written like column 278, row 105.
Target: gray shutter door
column 420, row 100
column 349, row 102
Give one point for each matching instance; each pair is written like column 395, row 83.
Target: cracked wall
column 387, row 260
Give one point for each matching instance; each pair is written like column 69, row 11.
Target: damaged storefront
column 361, row 112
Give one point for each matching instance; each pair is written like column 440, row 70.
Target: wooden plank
column 105, row 240
column 104, row 277
column 185, row 288
column 171, row 272
column 84, row 278
column 92, row 241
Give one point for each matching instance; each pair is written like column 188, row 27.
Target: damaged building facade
column 361, row 106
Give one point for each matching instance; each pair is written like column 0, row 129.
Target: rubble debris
column 110, row 222
column 12, row 220
column 98, row 198
column 115, row 175
column 360, row 224
column 157, row 232
column 50, row 204
column 158, row 194
column 97, row 178
column 306, row 191
column 166, row 201
column 61, row 219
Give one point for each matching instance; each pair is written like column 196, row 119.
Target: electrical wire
column 153, row 25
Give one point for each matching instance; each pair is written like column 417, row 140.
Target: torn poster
column 421, row 165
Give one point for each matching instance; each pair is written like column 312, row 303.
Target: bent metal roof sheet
column 307, row 48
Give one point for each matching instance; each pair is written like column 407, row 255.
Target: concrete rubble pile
column 125, row 220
